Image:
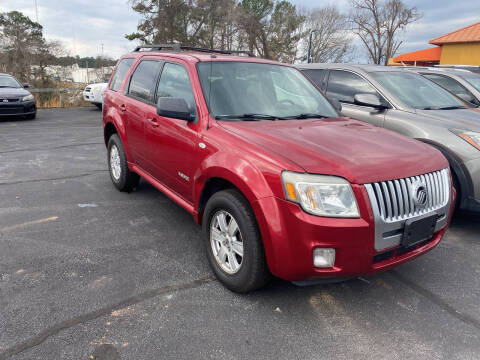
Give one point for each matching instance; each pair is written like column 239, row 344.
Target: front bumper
column 290, row 236
column 18, row 108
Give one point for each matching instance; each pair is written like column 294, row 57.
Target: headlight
column 473, row 138
column 28, row 98
column 321, row 195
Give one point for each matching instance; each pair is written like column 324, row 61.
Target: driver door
column 171, row 143
column 344, row 85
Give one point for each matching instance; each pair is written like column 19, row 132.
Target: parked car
column 460, row 82
column 279, row 181
column 94, row 93
column 409, row 104
column 15, row 99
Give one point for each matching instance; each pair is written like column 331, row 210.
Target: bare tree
column 377, row 23
column 331, row 41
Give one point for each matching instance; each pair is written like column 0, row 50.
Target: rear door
column 344, row 85
column 139, row 101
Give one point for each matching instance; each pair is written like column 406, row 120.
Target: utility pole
column 86, row 62
column 36, row 10
column 310, row 45
column 102, row 65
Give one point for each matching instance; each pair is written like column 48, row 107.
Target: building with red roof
column 460, row 47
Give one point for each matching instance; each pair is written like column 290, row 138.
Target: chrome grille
column 394, row 199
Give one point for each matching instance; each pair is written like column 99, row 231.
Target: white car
column 94, row 93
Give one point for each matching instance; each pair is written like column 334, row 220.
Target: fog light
column 323, row 258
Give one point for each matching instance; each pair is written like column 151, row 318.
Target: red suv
column 281, row 183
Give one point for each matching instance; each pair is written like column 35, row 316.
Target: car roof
column 439, row 70
column 354, row 67
column 192, row 56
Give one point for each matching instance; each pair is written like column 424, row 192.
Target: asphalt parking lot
column 88, row 272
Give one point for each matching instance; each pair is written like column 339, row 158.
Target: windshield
column 416, row 91
column 473, row 79
column 255, row 91
column 8, row 81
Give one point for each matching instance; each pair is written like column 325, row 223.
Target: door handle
column 154, row 122
column 123, row 107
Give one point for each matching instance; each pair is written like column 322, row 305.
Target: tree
column 330, row 41
column 21, row 41
column 377, row 22
column 270, row 28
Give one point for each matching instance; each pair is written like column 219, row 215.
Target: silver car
column 463, row 83
column 408, row 103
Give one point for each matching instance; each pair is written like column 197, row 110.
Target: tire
column 458, row 190
column 122, row 177
column 98, row 105
column 252, row 273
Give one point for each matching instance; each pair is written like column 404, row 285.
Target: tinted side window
column 448, row 83
column 343, row 85
column 143, row 81
column 120, row 73
column 317, row 76
column 175, row 82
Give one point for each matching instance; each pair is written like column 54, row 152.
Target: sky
column 83, row 26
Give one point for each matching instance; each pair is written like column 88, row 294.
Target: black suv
column 15, row 99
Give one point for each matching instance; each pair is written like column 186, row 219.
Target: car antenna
column 213, row 56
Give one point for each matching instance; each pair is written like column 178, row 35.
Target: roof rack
column 178, row 48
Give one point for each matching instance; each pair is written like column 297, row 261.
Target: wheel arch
column 455, row 162
column 218, row 179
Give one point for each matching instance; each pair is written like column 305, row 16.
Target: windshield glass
column 8, row 81
column 473, row 79
column 416, row 91
column 260, row 92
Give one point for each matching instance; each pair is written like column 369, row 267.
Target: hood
column 13, row 92
column 356, row 151
column 463, row 119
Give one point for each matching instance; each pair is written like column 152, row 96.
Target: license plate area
column 418, row 230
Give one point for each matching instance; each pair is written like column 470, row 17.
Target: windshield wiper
column 452, row 107
column 248, row 117
column 306, row 116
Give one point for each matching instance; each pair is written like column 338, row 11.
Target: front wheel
column 233, row 242
column 122, row 177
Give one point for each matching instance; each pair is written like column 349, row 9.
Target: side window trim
column 383, row 97
column 127, row 87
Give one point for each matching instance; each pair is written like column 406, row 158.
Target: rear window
column 120, row 73
column 144, row 80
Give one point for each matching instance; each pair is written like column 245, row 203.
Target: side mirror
column 336, row 103
column 371, row 100
column 26, row 85
column 176, row 108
